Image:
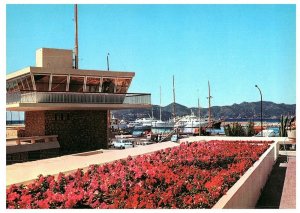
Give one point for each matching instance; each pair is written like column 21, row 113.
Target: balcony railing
column 72, row 97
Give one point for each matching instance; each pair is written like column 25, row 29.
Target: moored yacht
column 162, row 124
column 191, row 121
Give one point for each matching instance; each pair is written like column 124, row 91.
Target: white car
column 145, row 142
column 122, row 144
column 174, row 138
column 267, row 133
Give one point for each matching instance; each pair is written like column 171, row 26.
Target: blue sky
column 232, row 46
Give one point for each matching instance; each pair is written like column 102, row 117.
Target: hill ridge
column 241, row 110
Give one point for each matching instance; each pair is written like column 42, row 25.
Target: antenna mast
column 76, row 37
column 107, row 61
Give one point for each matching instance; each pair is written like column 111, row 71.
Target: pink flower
column 11, row 197
column 43, row 204
column 192, row 175
column 25, row 202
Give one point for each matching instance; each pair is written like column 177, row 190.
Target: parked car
column 175, row 138
column 152, row 137
column 122, row 144
column 145, row 142
column 267, row 133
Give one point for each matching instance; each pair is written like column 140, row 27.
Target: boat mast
column 209, row 110
column 199, row 113
column 174, row 107
column 160, row 103
column 76, row 37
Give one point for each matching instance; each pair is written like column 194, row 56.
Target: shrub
column 192, row 175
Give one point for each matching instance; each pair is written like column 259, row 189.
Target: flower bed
column 192, row 175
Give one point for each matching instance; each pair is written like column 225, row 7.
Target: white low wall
column 245, row 193
column 277, row 140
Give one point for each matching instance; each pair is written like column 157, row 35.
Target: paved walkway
column 271, row 194
column 288, row 197
column 280, row 189
column 29, row 171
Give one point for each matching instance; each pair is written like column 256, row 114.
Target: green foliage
column 283, row 125
column 250, row 129
column 235, row 129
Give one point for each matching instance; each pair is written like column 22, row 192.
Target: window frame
column 46, row 74
column 123, row 78
column 100, row 84
column 55, row 83
column 78, row 76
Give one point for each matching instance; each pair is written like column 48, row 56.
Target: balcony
column 76, row 100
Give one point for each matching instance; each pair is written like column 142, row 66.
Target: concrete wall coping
column 236, row 188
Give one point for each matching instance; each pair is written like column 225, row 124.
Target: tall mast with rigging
column 199, row 114
column 160, row 103
column 174, row 107
column 209, row 105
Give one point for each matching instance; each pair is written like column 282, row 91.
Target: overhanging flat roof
column 67, row 71
column 71, row 106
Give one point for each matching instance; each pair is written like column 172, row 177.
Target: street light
column 261, row 126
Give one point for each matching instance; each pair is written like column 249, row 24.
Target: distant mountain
column 242, row 110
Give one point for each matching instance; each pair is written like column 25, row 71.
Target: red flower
column 43, row 204
column 193, row 175
column 25, row 202
column 11, row 197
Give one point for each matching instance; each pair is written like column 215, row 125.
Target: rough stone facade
column 34, row 123
column 31, row 156
column 77, row 130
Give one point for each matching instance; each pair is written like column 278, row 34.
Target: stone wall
column 78, row 131
column 34, row 123
column 21, row 157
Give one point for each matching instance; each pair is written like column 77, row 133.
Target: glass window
column 29, row 81
column 42, row 82
column 122, row 85
column 25, row 84
column 92, row 84
column 20, row 84
column 108, row 85
column 12, row 86
column 16, row 85
column 7, row 86
column 76, row 84
column 59, row 83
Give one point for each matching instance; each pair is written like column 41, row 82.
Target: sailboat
column 159, row 123
column 211, row 122
column 189, row 122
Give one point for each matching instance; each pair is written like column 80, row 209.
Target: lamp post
column 261, row 125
